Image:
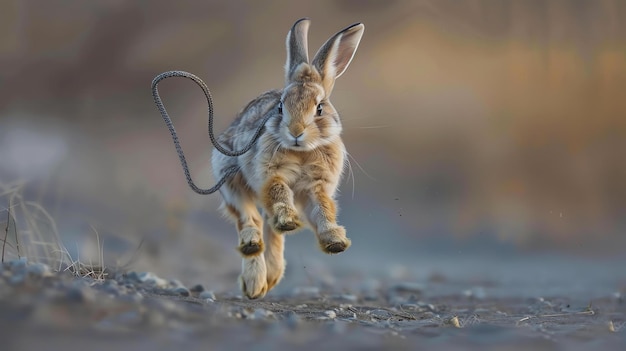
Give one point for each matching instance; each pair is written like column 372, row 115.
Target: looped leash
column 168, row 121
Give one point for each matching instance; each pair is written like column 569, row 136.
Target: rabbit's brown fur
column 292, row 172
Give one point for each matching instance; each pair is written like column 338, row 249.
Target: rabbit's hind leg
column 253, row 278
column 240, row 205
column 248, row 228
column 274, row 255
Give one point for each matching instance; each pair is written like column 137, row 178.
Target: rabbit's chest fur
column 300, row 170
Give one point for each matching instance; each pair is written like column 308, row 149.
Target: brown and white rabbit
column 293, row 170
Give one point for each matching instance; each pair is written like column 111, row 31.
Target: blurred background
column 474, row 127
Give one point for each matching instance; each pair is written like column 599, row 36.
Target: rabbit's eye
column 280, row 107
column 320, row 109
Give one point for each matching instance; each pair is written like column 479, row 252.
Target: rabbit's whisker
column 359, row 166
column 350, row 173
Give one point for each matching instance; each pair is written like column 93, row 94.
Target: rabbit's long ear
column 297, row 46
column 335, row 55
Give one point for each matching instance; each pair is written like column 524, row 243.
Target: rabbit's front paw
column 285, row 218
column 250, row 242
column 334, row 240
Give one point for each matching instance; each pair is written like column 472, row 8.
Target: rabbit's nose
column 296, row 139
column 296, row 136
column 296, row 130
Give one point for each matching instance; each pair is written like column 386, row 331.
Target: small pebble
column 247, row 312
column 454, row 321
column 198, row 288
column 330, row 314
column 152, row 279
column 207, row 295
column 182, row 291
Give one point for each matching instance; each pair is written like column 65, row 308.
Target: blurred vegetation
column 473, row 117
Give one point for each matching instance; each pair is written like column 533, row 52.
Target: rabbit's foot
column 285, row 218
column 253, row 280
column 274, row 275
column 334, row 240
column 273, row 280
column 250, row 242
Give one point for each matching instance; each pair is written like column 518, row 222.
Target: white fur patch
column 254, row 276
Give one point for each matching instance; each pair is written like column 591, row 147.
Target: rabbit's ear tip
column 301, row 21
column 301, row 25
column 356, row 26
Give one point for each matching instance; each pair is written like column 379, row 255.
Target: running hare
column 292, row 172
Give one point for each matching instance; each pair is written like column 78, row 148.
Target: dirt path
column 41, row 309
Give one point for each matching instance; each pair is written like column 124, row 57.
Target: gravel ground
column 42, row 309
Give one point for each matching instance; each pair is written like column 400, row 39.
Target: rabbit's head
column 308, row 119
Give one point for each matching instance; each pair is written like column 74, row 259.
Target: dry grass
column 30, row 232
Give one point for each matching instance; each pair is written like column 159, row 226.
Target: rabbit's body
column 293, row 170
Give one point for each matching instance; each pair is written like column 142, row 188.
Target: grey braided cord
column 168, row 121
